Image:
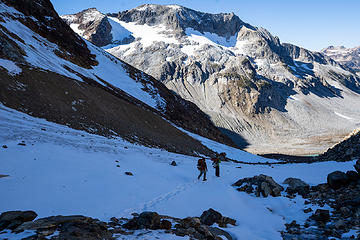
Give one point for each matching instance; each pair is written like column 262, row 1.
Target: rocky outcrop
column 357, row 166
column 261, row 184
column 86, row 228
column 13, row 219
column 341, row 193
column 349, row 57
column 93, row 26
column 321, row 216
column 296, row 186
column 337, row 179
column 67, row 227
column 211, row 216
column 346, row 150
column 148, row 220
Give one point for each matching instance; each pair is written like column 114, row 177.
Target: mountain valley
column 267, row 96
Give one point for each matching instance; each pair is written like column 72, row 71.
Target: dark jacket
column 202, row 165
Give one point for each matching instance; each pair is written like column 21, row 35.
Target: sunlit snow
column 86, row 177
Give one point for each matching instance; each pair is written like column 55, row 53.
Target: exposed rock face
column 264, row 185
column 349, row 57
column 91, row 25
column 43, row 19
column 179, row 18
column 264, row 94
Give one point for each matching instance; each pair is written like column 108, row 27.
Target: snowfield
column 65, row 171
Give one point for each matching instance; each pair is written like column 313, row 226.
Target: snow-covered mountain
column 349, row 57
column 48, row 71
column 272, row 96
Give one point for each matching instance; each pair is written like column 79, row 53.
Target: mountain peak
column 151, row 7
column 349, row 57
column 179, row 18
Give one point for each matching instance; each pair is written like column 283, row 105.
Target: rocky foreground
column 85, row 228
column 341, row 194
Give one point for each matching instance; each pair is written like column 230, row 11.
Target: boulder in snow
column 337, row 179
column 129, row 173
column 353, row 176
column 357, row 166
column 165, row 224
column 321, row 216
column 264, row 185
column 297, row 186
column 210, row 217
column 149, row 220
column 13, row 219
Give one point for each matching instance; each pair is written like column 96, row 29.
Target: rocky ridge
column 259, row 91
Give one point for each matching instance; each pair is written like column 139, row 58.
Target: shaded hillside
column 48, row 71
column 346, row 150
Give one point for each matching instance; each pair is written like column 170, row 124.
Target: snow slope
column 65, row 171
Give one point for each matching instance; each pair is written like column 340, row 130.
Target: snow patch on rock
column 10, row 66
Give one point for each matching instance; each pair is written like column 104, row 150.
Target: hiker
column 202, row 168
column 216, row 163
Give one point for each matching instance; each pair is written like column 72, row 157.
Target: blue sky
column 313, row 24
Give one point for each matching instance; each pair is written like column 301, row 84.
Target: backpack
column 200, row 164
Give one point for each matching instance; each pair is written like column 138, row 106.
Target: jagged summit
column 349, row 57
column 146, row 7
column 179, row 18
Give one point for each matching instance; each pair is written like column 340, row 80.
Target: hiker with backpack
column 202, row 168
column 216, row 163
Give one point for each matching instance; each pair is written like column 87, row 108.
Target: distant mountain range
column 349, row 57
column 266, row 95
